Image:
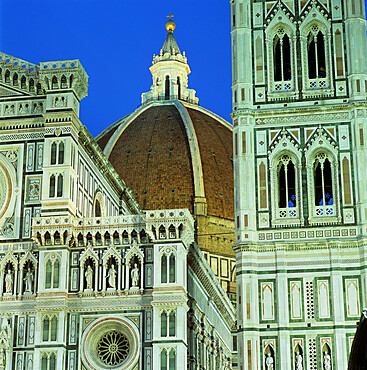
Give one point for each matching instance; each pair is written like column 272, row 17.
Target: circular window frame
column 96, row 330
column 9, row 181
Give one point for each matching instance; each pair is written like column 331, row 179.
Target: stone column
column 119, row 275
column 104, row 283
column 20, row 282
column 15, row 282
column 81, row 279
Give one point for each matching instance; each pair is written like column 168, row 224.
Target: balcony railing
column 288, row 213
column 318, row 83
column 324, row 211
column 280, row 86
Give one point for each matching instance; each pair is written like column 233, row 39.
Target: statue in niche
column 135, row 276
column 28, row 279
column 299, row 361
column 5, row 325
column 2, row 357
column 327, row 361
column 269, row 362
column 112, row 277
column 89, row 277
column 9, row 282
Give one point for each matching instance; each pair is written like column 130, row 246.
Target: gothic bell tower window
column 281, row 61
column 316, row 59
column 323, row 188
column 324, row 200
column 287, row 184
column 316, row 55
column 285, row 194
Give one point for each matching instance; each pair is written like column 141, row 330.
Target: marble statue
column 269, row 362
column 327, row 361
column 9, row 282
column 135, row 276
column 28, row 279
column 112, row 277
column 299, row 361
column 89, row 277
column 2, row 357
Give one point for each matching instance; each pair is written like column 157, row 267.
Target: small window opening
column 178, row 88
column 61, row 153
column 287, row 184
column 316, row 56
column 167, row 89
column 323, row 182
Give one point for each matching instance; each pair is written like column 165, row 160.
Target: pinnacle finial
column 170, row 25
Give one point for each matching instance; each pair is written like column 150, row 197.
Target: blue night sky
column 115, row 41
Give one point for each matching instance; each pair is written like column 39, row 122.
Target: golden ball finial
column 170, row 25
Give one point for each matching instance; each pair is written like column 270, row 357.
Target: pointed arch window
column 316, row 54
column 52, row 186
column 323, row 181
column 164, row 324
column 7, row 76
column 172, row 268
column 23, row 83
column 52, row 277
column 172, row 359
column 282, row 58
column 285, row 190
column 31, row 85
column 61, row 153
column 15, row 80
column 53, row 153
column 286, row 183
column 322, row 175
column 55, row 83
column 49, row 330
column 168, row 324
column 168, row 268
column 164, row 268
column 60, row 185
column 172, row 324
column 48, row 361
column 164, row 360
column 64, row 83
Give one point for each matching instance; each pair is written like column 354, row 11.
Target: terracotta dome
column 174, row 155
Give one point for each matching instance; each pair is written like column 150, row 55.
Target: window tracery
column 49, row 328
column 168, row 359
column 281, row 51
column 48, row 361
column 316, row 55
column 285, row 172
column 168, row 266
column 52, row 272
column 56, row 185
column 168, row 323
column 322, row 176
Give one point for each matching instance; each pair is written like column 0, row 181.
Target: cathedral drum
column 110, row 343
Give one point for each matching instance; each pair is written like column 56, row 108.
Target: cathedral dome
column 171, row 152
column 174, row 154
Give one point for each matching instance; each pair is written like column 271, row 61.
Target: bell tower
column 299, row 123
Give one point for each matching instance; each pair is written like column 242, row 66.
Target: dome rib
column 194, row 150
column 173, row 154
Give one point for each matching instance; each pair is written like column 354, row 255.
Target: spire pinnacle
column 170, row 25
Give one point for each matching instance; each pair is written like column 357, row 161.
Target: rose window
column 113, row 348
